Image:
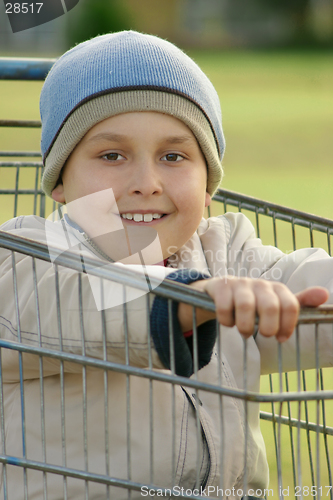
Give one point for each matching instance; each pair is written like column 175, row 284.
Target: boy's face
column 153, row 164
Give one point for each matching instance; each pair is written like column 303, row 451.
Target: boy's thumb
column 313, row 296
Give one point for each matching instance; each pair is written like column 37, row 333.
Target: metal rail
column 24, row 68
column 243, row 202
column 167, row 289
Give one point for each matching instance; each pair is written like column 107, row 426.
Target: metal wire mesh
column 293, row 229
column 296, row 409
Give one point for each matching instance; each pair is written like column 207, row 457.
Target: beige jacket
column 141, row 422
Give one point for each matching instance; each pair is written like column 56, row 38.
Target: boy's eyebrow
column 178, row 139
column 107, row 136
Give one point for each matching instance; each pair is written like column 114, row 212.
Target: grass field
column 278, row 121
column 277, row 113
column 289, row 437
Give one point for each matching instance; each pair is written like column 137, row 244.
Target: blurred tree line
column 298, row 23
column 96, row 17
column 300, row 12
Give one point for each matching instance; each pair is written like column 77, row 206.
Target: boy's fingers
column 225, row 307
column 221, row 292
column 313, row 296
column 268, row 307
column 289, row 312
column 290, row 306
column 238, row 300
column 245, row 308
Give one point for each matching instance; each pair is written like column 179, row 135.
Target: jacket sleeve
column 59, row 311
column 297, row 270
column 182, row 347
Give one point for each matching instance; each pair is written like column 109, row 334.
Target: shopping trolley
column 296, row 408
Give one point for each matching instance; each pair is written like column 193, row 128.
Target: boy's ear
column 58, row 194
column 208, row 200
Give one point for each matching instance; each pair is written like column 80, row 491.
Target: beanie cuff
column 97, row 109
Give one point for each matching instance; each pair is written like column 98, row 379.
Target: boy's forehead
column 133, row 125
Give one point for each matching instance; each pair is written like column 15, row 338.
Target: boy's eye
column 172, row 157
column 113, row 156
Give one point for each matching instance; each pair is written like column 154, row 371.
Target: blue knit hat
column 119, row 73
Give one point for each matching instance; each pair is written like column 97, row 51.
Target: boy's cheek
column 96, row 213
column 208, row 199
column 58, row 194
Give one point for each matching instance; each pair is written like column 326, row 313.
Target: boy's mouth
column 140, row 217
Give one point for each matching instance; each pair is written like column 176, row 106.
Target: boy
column 132, row 143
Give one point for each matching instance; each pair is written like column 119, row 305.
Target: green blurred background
column 272, row 65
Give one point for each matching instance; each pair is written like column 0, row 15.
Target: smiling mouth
column 142, row 217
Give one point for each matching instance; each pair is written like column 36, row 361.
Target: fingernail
column 282, row 338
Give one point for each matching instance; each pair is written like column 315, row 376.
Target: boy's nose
column 145, row 180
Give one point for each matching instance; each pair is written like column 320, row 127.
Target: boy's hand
column 238, row 300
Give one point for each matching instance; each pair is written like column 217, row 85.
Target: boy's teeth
column 138, row 217
column 141, row 217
